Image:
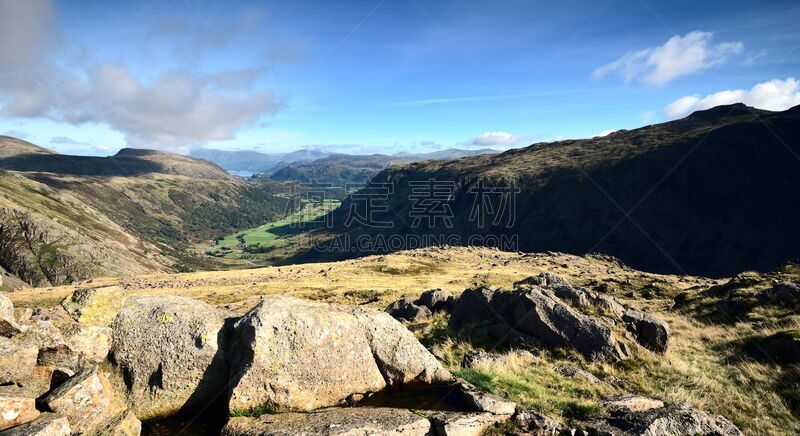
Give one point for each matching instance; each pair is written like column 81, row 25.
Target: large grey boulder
column 581, row 298
column 169, row 351
column 95, row 306
column 293, row 354
column 405, row 309
column 346, row 421
column 436, row 300
column 531, row 314
column 8, row 323
column 651, row 332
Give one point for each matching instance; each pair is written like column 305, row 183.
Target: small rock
column 8, row 322
column 47, row 424
column 482, row 401
column 53, row 348
column 339, row 421
column 632, row 403
column 436, row 300
column 17, row 360
column 92, row 342
column 535, row 424
column 86, row 400
column 571, row 371
column 464, row 423
column 668, row 420
column 406, row 310
column 16, row 409
column 651, row 332
column 96, row 306
column 125, row 424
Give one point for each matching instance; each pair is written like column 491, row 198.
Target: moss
column 254, row 412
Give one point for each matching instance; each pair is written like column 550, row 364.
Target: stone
column 96, row 306
column 93, row 343
column 786, row 293
column 436, row 300
column 339, row 421
column 668, row 420
column 536, row 424
column 17, row 360
column 126, row 424
column 55, row 314
column 465, row 423
column 484, row 402
column 86, row 399
column 576, row 296
column 290, row 354
column 16, row 409
column 531, row 315
column 650, row 332
column 571, row 371
column 406, row 310
column 631, row 403
column 8, row 322
column 53, row 348
column 47, row 424
column 170, row 353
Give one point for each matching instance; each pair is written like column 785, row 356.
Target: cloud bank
column 775, row 95
column 679, row 56
column 498, row 139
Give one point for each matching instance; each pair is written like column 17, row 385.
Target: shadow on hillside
column 81, row 165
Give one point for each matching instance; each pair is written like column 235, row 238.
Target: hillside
column 254, row 161
column 339, row 169
column 712, row 194
column 710, row 362
column 70, row 218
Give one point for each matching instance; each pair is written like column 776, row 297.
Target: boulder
column 16, row 408
column 8, row 322
column 631, row 403
column 293, row 354
column 531, row 315
column 581, row 298
column 17, row 360
column 786, row 293
column 436, row 300
column 406, row 310
column 571, row 372
column 534, row 423
column 53, row 348
column 92, row 342
column 341, row 421
column 96, row 306
column 650, row 332
column 483, row 402
column 465, row 423
column 86, row 399
column 56, row 314
column 669, row 420
column 47, row 424
column 169, row 351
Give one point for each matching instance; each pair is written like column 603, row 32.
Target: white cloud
column 604, row 133
column 679, row 56
column 497, row 139
column 172, row 111
column 775, row 95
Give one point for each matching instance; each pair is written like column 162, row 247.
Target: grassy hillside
column 708, row 363
column 135, row 212
column 713, row 194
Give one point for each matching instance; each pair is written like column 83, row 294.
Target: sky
column 379, row 76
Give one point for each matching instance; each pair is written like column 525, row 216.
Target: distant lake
column 240, row 173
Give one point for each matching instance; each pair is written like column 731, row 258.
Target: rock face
column 533, row 315
column 169, row 351
column 47, row 424
column 293, row 354
column 95, row 306
column 436, row 300
column 16, row 410
column 650, row 332
column 17, row 360
column 406, row 309
column 8, row 324
column 86, row 399
column 350, row 421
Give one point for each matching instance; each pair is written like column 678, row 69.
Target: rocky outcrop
column 8, row 323
column 16, row 408
column 436, row 300
column 292, row 354
column 406, row 309
column 47, row 424
column 86, row 399
column 651, row 332
column 95, row 306
column 349, row 421
column 533, row 315
column 668, row 420
column 169, row 351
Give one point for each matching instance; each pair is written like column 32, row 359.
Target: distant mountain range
column 713, row 194
column 69, row 218
column 313, row 165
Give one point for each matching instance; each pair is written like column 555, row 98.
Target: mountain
column 712, row 194
column 253, row 161
column 339, row 169
column 68, row 218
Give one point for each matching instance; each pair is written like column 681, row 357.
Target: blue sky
column 91, row 77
